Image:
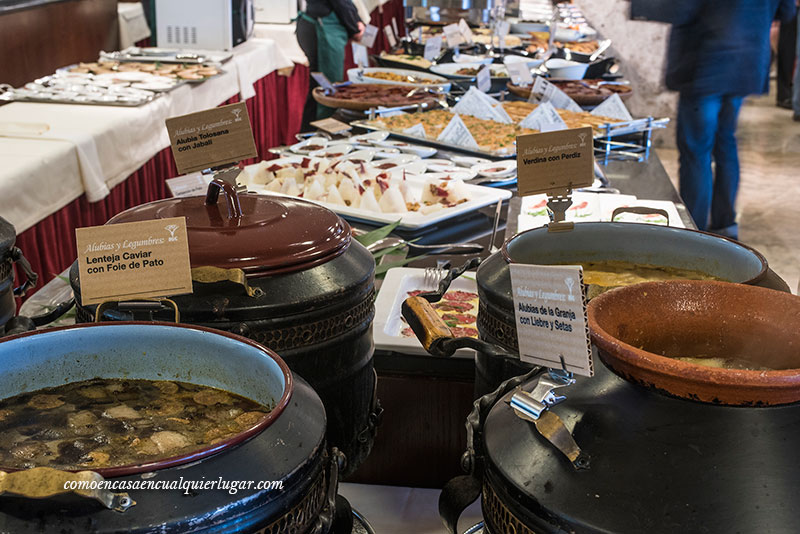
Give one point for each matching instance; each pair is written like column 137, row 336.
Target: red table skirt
column 276, row 113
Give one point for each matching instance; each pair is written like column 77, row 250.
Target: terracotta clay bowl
column 639, row 330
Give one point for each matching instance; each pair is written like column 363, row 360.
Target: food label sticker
column 387, row 30
column 484, row 79
column 453, row 35
column 130, row 261
column 613, row 108
column 550, row 316
column 433, row 47
column 555, row 161
column 418, row 130
column 323, row 81
column 457, row 133
column 211, row 138
column 394, row 27
column 544, row 118
column 370, row 33
column 192, row 184
column 466, row 31
column 360, row 57
column 331, row 125
column 520, row 73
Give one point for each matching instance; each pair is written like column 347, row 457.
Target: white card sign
column 360, row 57
column 453, row 35
column 613, row 108
column 544, row 118
column 370, row 33
column 387, row 30
column 544, row 91
column 502, row 30
column 484, row 79
column 433, row 47
column 520, row 73
column 466, row 31
column 418, row 130
column 550, row 316
column 323, row 81
column 190, row 185
column 457, row 133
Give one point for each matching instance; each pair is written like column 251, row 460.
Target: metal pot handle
column 463, row 490
column 31, row 277
column 44, row 482
column 328, row 513
column 231, row 197
column 640, row 210
column 435, row 335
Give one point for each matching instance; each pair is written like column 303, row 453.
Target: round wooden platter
column 581, row 100
column 356, row 105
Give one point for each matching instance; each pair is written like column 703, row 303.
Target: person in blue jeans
column 718, row 53
column 796, row 82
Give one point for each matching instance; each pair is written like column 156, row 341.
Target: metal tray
column 167, row 55
column 434, row 143
column 9, row 97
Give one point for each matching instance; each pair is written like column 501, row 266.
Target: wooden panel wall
column 36, row 41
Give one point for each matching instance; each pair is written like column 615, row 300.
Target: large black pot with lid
column 642, row 244
column 655, row 441
column 286, row 273
column 276, row 476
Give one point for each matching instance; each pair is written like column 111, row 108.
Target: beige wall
column 641, row 48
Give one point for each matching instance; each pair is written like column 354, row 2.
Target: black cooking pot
column 9, row 255
column 288, row 447
column 497, row 350
column 658, row 464
column 309, row 295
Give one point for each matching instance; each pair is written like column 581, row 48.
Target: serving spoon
column 463, row 248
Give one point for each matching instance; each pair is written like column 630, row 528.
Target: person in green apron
column 322, row 32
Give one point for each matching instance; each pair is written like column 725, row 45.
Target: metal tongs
column 535, row 407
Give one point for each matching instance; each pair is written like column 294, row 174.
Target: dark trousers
column 706, row 131
column 307, row 39
column 787, row 42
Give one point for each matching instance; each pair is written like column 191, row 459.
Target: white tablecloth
column 283, row 34
column 99, row 147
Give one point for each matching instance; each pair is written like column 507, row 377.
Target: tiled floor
column 769, row 191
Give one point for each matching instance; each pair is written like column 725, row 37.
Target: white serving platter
column 479, row 197
column 389, row 324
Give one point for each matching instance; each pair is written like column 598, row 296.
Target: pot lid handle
column 231, row 199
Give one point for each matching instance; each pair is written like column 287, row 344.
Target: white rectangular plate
column 388, row 322
column 479, row 197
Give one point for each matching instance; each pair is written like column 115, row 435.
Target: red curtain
column 379, row 18
column 275, row 112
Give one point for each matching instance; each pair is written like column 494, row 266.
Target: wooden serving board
column 356, row 105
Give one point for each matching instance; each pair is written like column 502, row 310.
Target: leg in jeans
column 726, row 175
column 697, row 127
column 796, row 83
column 787, row 42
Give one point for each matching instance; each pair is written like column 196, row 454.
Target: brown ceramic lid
column 272, row 235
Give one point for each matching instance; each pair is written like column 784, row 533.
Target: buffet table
column 68, row 166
